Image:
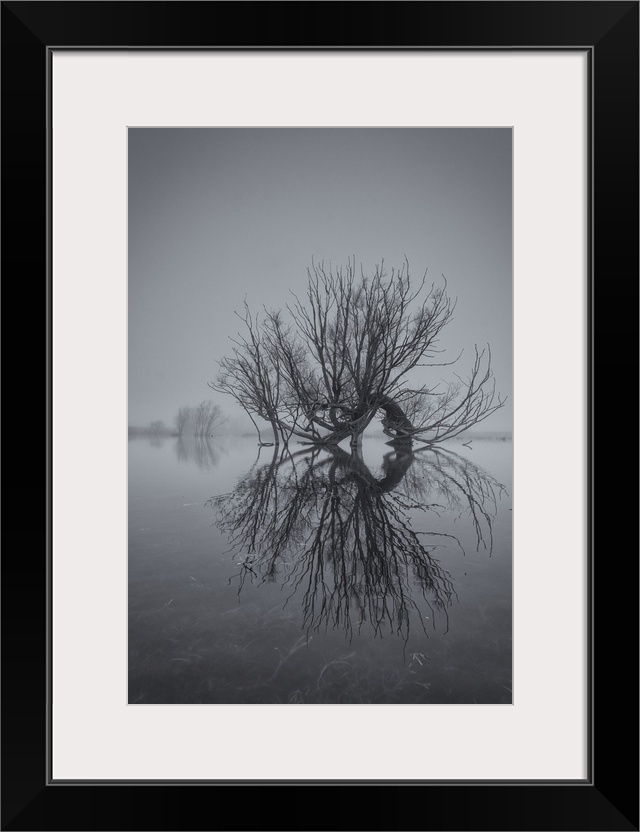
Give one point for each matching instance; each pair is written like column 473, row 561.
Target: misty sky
column 217, row 215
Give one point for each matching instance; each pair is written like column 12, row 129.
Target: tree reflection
column 353, row 543
column 198, row 449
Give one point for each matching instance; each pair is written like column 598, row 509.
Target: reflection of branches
column 462, row 486
column 197, row 449
column 323, row 522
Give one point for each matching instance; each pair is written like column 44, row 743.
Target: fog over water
column 217, row 215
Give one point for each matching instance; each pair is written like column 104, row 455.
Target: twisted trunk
column 395, row 422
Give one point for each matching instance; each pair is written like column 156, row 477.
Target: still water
column 326, row 577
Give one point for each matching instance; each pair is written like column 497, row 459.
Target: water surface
column 326, row 577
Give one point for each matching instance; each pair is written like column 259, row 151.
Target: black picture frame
column 608, row 798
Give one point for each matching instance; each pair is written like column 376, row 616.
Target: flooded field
column 319, row 577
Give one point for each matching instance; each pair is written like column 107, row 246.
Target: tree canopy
column 355, row 346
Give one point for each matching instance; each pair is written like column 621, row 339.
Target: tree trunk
column 276, row 433
column 396, row 424
column 395, row 417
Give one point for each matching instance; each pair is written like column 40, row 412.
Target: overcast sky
column 219, row 214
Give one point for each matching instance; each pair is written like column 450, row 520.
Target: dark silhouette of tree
column 355, row 346
column 326, row 526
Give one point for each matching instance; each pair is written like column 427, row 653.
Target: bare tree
column 207, row 416
column 157, row 427
column 355, row 346
column 252, row 374
column 201, row 420
column 212, row 418
column 182, row 419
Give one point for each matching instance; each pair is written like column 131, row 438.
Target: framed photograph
column 325, row 284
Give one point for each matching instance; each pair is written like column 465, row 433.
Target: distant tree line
column 201, row 420
column 155, row 428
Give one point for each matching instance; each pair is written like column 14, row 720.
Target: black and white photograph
column 325, row 303
column 320, row 395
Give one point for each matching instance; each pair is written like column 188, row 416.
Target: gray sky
column 219, row 214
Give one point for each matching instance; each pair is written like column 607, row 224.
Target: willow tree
column 355, row 346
